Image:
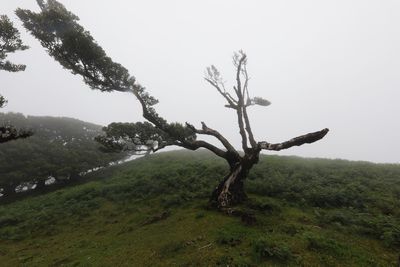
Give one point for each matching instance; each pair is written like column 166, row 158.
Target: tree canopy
column 10, row 42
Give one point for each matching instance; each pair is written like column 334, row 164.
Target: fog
column 333, row 64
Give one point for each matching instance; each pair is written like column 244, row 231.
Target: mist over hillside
column 60, row 149
column 204, row 96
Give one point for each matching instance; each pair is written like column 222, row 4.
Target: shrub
column 229, row 236
column 391, row 234
column 267, row 249
column 264, row 205
column 324, row 244
column 200, row 215
column 171, row 248
column 169, row 201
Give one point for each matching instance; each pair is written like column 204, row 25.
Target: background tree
column 75, row 49
column 61, row 148
column 10, row 42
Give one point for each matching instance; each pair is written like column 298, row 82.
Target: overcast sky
column 333, row 64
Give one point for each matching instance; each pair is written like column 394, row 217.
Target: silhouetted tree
column 75, row 49
column 10, row 42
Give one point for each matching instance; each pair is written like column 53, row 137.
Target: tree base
column 230, row 191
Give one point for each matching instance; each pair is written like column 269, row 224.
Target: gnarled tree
column 75, row 49
column 10, row 42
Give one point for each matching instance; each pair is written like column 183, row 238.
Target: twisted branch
column 208, row 131
column 297, row 141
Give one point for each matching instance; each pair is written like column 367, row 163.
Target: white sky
column 332, row 64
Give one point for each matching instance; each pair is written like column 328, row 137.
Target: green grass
column 153, row 212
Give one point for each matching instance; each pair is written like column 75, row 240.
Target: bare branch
column 208, row 131
column 194, row 145
column 231, row 101
column 231, row 97
column 297, row 141
column 245, row 116
column 246, row 82
column 238, row 60
column 213, row 76
column 163, row 145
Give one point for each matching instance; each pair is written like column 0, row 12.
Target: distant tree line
column 61, row 148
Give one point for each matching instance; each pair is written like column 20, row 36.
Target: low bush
column 266, row 249
column 230, row 235
column 265, row 205
column 324, row 244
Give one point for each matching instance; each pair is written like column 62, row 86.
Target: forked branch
column 239, row 59
column 208, row 131
column 214, row 78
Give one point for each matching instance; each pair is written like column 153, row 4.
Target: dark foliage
column 61, row 148
column 10, row 42
column 72, row 46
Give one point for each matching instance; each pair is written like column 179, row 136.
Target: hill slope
column 153, row 212
column 60, row 147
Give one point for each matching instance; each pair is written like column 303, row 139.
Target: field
column 154, row 212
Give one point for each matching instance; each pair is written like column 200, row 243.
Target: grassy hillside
column 153, row 212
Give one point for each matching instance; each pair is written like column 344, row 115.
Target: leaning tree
column 10, row 42
column 75, row 49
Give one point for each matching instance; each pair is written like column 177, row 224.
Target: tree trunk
column 231, row 190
